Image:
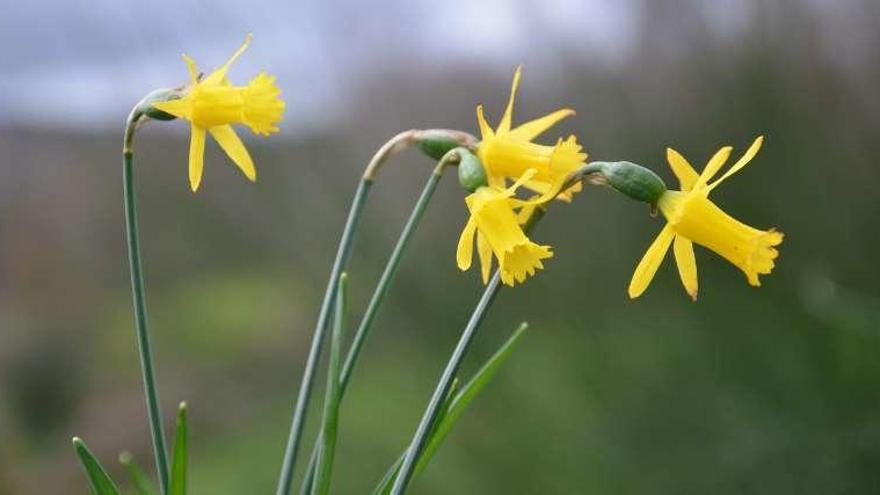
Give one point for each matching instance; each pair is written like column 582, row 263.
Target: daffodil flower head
column 693, row 218
column 213, row 103
column 507, row 153
column 496, row 222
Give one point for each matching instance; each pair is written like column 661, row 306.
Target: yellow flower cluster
column 212, row 104
column 496, row 214
column 508, row 155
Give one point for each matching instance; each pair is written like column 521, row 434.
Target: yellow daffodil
column 507, row 153
column 497, row 227
column 693, row 218
column 212, row 103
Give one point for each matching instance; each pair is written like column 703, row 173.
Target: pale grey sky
column 85, row 62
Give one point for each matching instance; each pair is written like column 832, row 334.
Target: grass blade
column 139, row 479
column 178, row 462
column 468, row 393
column 330, row 422
column 454, row 404
column 98, row 478
column 384, row 486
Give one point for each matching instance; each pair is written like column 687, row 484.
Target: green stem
column 393, row 146
column 140, row 315
column 378, row 297
column 434, row 408
column 299, row 414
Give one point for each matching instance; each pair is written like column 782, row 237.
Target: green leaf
column 99, row 480
column 452, row 408
column 468, row 394
column 384, row 486
column 444, row 408
column 333, row 396
column 178, row 463
column 139, row 479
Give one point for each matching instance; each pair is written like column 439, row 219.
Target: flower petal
column 484, row 250
column 532, row 129
column 525, row 177
column 683, row 249
column 465, row 252
column 196, row 156
column 230, row 142
column 504, row 125
column 180, row 108
column 485, row 130
column 650, row 262
column 683, row 170
column 715, row 163
column 218, row 75
column 192, row 68
column 742, row 162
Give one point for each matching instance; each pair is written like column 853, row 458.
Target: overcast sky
column 85, row 62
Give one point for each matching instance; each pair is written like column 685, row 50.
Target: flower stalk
column 379, row 293
column 140, row 309
column 440, row 138
column 441, row 391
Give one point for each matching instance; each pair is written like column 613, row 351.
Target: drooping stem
column 380, row 291
column 140, row 310
column 441, row 391
column 393, row 146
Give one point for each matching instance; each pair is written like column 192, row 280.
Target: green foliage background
column 772, row 390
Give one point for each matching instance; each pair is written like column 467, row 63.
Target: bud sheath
column 630, row 179
column 471, row 174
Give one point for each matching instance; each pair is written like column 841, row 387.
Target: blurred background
column 770, row 390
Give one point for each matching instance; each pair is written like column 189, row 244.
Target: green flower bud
column 635, row 181
column 471, row 174
column 437, row 142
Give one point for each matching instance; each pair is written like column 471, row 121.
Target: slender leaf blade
column 384, row 486
column 99, row 480
column 452, row 408
column 468, row 393
column 139, row 479
column 330, row 422
column 179, row 462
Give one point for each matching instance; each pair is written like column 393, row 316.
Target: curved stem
column 140, row 310
column 429, row 418
column 379, row 293
column 390, row 148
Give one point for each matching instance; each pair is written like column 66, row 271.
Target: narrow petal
column 504, row 125
column 230, row 142
column 742, row 162
column 218, row 75
column 650, row 262
column 715, row 163
column 531, row 130
column 484, row 250
column 525, row 177
column 683, row 170
column 683, row 249
column 179, row 108
column 525, row 211
column 196, row 156
column 465, row 252
column 485, row 130
column 192, row 68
